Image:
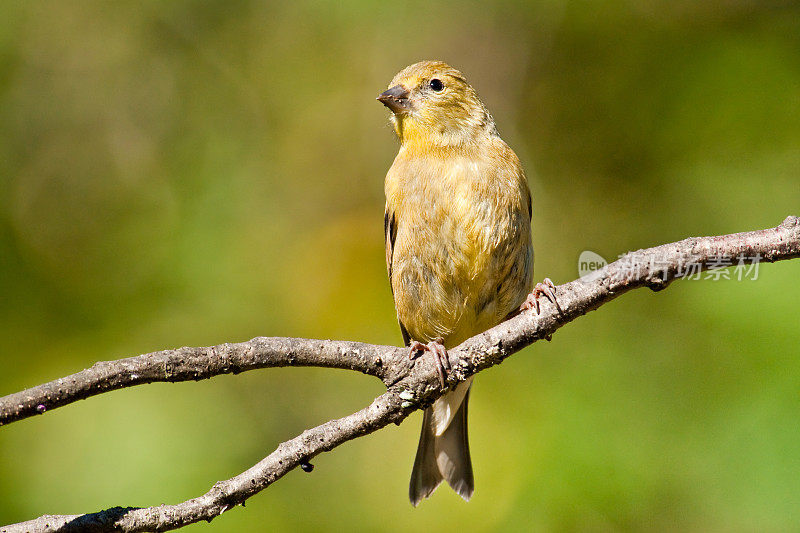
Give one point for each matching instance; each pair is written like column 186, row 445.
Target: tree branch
column 187, row 364
column 411, row 385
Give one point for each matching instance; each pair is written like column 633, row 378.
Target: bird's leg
column 439, row 352
column 546, row 289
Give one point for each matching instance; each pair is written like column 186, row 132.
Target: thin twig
column 194, row 364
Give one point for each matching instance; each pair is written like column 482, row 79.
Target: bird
column 459, row 252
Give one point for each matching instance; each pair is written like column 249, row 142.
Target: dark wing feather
column 390, row 234
column 530, row 203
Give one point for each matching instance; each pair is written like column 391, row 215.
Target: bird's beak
column 396, row 99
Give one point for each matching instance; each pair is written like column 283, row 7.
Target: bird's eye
column 436, row 84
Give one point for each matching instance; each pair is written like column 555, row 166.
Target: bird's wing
column 530, row 203
column 390, row 235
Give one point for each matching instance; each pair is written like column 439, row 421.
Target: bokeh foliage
column 194, row 172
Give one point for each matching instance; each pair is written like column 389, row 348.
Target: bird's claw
column 440, row 357
column 546, row 289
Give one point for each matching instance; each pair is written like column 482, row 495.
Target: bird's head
column 432, row 104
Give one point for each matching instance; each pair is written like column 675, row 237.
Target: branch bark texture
column 410, row 385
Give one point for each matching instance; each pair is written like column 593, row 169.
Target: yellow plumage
column 458, row 241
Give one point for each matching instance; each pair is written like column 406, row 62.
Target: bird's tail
column 443, row 451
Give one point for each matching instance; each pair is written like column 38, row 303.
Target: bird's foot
column 439, row 352
column 546, row 289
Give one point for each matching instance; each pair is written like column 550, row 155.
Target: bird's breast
column 462, row 253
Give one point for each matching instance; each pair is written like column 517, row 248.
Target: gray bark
column 410, row 385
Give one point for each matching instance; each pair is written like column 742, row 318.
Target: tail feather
column 443, row 457
column 425, row 476
column 452, row 454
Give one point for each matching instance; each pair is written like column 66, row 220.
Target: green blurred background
column 190, row 173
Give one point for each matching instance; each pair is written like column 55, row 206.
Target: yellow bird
column 458, row 244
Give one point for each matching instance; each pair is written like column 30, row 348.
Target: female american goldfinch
column 458, row 244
